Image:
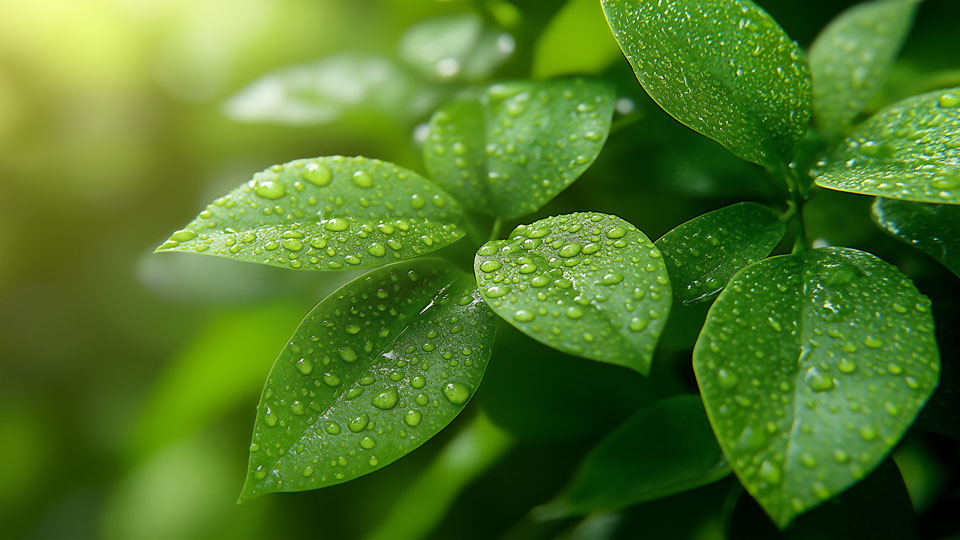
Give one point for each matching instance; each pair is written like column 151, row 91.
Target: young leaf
column 705, row 252
column 587, row 284
column 850, row 59
column 811, row 367
column 724, row 68
column 931, row 228
column 908, row 151
column 455, row 47
column 515, row 146
column 326, row 213
column 376, row 369
column 661, row 450
column 577, row 40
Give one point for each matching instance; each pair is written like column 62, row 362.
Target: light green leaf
column 812, row 366
column 931, row 228
column 724, row 68
column 909, row 151
column 850, row 59
column 587, row 284
column 511, row 148
column 375, row 370
column 705, row 252
column 663, row 449
column 577, row 40
column 455, row 47
column 326, row 213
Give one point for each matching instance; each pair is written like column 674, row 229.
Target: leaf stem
column 495, row 229
column 796, row 202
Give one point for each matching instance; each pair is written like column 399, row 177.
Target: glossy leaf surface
column 850, row 59
column 326, row 213
column 705, row 252
column 511, row 148
column 811, row 367
column 587, row 284
column 724, row 68
column 932, row 228
column 909, row 151
column 376, row 369
column 660, row 450
column 455, row 47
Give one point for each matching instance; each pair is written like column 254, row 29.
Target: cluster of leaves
column 811, row 366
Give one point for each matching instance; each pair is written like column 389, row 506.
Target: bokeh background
column 128, row 380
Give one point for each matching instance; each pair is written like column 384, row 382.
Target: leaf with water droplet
column 705, row 252
column 908, row 151
column 812, row 366
column 587, row 284
column 371, row 396
column 724, row 69
column 326, row 213
column 455, row 47
column 850, row 59
column 931, row 228
column 509, row 149
column 576, row 41
column 661, row 450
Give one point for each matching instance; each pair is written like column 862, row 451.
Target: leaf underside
column 932, row 228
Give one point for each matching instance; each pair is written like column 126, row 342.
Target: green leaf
column 723, row 68
column 455, row 47
column 931, row 228
column 326, row 213
column 587, row 284
column 577, row 40
column 705, row 252
column 375, row 370
column 811, row 367
column 663, row 449
column 850, row 59
column 511, row 148
column 908, row 151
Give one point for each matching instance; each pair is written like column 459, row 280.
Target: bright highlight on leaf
column 812, row 366
column 722, row 67
column 455, row 47
column 327, row 213
column 932, row 228
column 587, row 284
column 375, row 370
column 513, row 147
column 705, row 252
column 909, row 151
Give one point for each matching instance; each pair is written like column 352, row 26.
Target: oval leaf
column 587, row 284
column 577, row 40
column 811, row 367
column 376, row 369
column 705, row 252
column 455, row 47
column 909, row 151
column 850, row 59
column 326, row 213
column 931, row 228
column 723, row 68
column 663, row 449
column 510, row 149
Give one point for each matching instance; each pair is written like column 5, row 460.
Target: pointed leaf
column 705, row 252
column 327, row 213
column 724, row 68
column 375, row 370
column 587, row 284
column 850, row 59
column 909, row 151
column 931, row 228
column 510, row 149
column 455, row 47
column 812, row 366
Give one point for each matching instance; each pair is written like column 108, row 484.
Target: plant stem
column 797, row 201
column 495, row 230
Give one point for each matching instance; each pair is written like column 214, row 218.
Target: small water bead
column 269, row 189
column 496, row 291
column 769, row 472
column 297, row 408
column 183, row 235
column 367, row 442
column 412, row 418
column 332, row 428
column 490, row 266
column 817, row 381
column 612, row 278
column 260, row 473
column 331, row 379
column 570, row 250
column 524, row 315
column 949, row 100
column 359, row 423
column 846, row 365
column 269, row 417
column 527, row 268
column 488, row 250
column 305, row 366
column 417, row 201
column 616, row 232
column 308, row 471
column 376, row 249
column 727, row 379
column 873, row 342
column 348, row 354
column 456, row 393
column 317, row 174
column 362, row 179
column 638, row 324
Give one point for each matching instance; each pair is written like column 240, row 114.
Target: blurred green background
column 129, row 380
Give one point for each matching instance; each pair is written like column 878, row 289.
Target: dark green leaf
column 515, row 146
column 577, row 40
column 850, row 59
column 376, row 369
column 326, row 213
column 587, row 284
column 723, row 68
column 909, row 151
column 932, row 228
column 661, row 450
column 812, row 366
column 705, row 252
column 455, row 47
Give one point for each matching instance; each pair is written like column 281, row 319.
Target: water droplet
column 616, row 232
column 386, row 399
column 368, row 442
column 348, row 354
column 332, row 428
column 456, row 393
column 269, row 417
column 949, row 100
column 376, row 249
column 872, row 342
column 269, row 189
column 305, row 366
column 726, row 379
column 317, row 174
column 362, row 179
column 357, row 424
column 490, row 266
column 769, row 472
column 523, row 315
column 570, row 250
column 412, row 418
column 817, row 381
column 336, row 224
